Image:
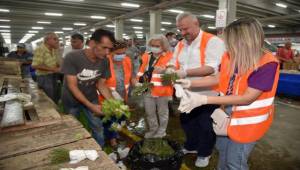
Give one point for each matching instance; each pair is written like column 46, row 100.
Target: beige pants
column 157, row 116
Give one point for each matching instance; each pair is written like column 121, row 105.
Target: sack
column 220, row 122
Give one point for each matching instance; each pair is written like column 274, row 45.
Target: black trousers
column 198, row 129
column 50, row 85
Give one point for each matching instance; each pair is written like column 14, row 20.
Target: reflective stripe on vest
column 256, row 104
column 249, row 120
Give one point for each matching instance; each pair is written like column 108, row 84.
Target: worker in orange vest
column 248, row 78
column 119, row 82
column 197, row 55
column 156, row 101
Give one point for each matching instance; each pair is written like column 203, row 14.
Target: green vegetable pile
column 59, row 155
column 114, row 108
column 140, row 90
column 157, row 146
column 169, row 79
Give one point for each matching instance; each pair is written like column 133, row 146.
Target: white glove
column 181, row 73
column 179, row 92
column 190, row 101
column 185, row 83
column 79, row 155
column 138, row 84
column 170, row 70
column 116, row 95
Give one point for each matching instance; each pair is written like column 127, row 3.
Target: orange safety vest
column 248, row 123
column 158, row 89
column 204, row 40
column 112, row 81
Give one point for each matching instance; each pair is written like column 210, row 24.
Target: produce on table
column 59, row 155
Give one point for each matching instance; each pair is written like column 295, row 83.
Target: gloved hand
column 138, row 84
column 116, row 95
column 179, row 92
column 181, row 73
column 185, row 83
column 170, row 70
column 190, row 101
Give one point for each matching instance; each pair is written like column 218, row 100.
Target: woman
column 156, row 102
column 248, row 78
column 121, row 71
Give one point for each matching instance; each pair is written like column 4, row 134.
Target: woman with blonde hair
column 247, row 81
column 156, row 101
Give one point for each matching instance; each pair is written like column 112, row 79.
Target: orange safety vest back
column 112, row 81
column 158, row 89
column 248, row 123
column 204, row 40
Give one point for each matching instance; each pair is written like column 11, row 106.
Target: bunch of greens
column 157, row 146
column 114, row 108
column 169, row 78
column 140, row 90
column 59, row 155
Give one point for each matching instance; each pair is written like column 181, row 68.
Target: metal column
column 119, row 29
column 155, row 19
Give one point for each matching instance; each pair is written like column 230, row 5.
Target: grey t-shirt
column 87, row 72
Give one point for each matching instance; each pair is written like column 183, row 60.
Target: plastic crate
column 289, row 84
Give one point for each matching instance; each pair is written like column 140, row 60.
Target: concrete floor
column 278, row 150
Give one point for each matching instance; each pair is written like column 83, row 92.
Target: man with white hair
column 46, row 63
column 197, row 55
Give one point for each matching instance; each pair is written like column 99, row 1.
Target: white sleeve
column 214, row 51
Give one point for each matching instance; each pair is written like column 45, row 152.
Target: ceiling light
column 136, row 20
column 92, row 29
column 6, row 37
column 4, row 20
column 26, row 37
column 98, row 17
column 73, row 0
column 130, row 5
column 67, row 28
column 124, row 34
column 58, row 32
column 4, row 26
column 80, row 24
column 43, row 22
column 4, row 30
column 281, row 5
column 211, row 27
column 175, row 11
column 271, row 26
column 4, row 10
column 110, row 26
column 208, row 16
column 138, row 28
column 166, row 23
column 37, row 28
column 5, row 34
column 85, row 33
column 162, row 29
column 138, row 32
column 32, row 31
column 53, row 14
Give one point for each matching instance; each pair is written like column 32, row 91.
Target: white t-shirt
column 189, row 57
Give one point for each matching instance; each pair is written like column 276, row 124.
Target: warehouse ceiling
column 23, row 15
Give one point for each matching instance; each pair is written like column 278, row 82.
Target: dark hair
column 170, row 34
column 100, row 33
column 119, row 45
column 77, row 36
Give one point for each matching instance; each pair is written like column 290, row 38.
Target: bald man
column 46, row 63
column 197, row 55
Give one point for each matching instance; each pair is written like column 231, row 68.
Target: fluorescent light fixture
column 58, row 32
column 4, row 20
column 37, row 40
column 73, row 0
column 139, row 35
column 92, row 29
column 33, row 31
column 4, row 26
column 110, row 26
column 4, row 10
column 176, row 11
column 211, row 27
column 98, row 17
column 208, row 16
column 125, row 4
column 53, row 14
column 85, row 33
column 281, row 5
column 4, row 30
column 26, row 38
column 6, row 37
column 138, row 28
column 166, row 23
column 43, row 22
column 5, row 34
column 136, row 20
column 138, row 32
column 67, row 28
column 271, row 26
column 124, row 34
column 37, row 28
column 80, row 24
column 162, row 29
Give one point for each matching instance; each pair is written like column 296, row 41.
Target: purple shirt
column 263, row 78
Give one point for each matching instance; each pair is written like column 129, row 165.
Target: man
column 46, row 63
column 285, row 54
column 134, row 53
column 85, row 72
column 171, row 36
column 197, row 55
column 77, row 43
column 24, row 57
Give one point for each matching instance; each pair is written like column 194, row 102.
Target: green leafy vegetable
column 169, row 79
column 59, row 155
column 157, row 146
column 140, row 90
column 113, row 107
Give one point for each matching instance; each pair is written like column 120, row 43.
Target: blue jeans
column 233, row 155
column 94, row 122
